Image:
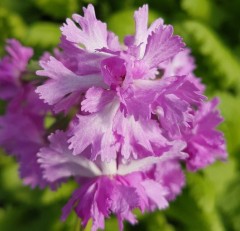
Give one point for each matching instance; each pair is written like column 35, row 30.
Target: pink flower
column 22, row 126
column 204, row 143
column 22, row 134
column 12, row 67
column 140, row 113
column 135, row 114
column 112, row 187
column 119, row 86
column 182, row 64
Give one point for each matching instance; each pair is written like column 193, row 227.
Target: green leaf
column 43, row 34
column 230, row 204
column 49, row 121
column 58, row 9
column 205, row 10
column 26, row 218
column 111, row 224
column 217, row 56
column 230, row 125
column 19, row 7
column 219, row 180
column 63, row 193
column 11, row 26
column 10, row 183
column 196, row 208
column 204, row 193
column 152, row 222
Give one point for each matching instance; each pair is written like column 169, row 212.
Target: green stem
column 78, row 226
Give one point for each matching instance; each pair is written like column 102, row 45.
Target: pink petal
column 143, row 164
column 141, row 24
column 96, row 130
column 58, row 162
column 12, row 67
column 63, row 82
column 113, row 71
column 138, row 97
column 156, row 193
column 139, row 138
column 205, row 143
column 162, row 45
column 170, row 174
column 92, row 33
column 174, row 105
column 96, row 99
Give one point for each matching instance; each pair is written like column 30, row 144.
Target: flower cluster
column 22, row 126
column 137, row 113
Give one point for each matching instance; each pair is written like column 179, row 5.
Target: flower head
column 112, row 187
column 22, row 126
column 12, row 66
column 120, row 93
column 140, row 113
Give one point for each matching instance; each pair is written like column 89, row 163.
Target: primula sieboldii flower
column 120, row 94
column 22, row 134
column 204, row 143
column 140, row 113
column 11, row 68
column 182, row 64
column 135, row 113
column 109, row 187
column 22, row 126
column 122, row 71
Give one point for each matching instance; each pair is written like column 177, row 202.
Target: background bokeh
column 211, row 28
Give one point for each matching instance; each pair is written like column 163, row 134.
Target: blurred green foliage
column 211, row 28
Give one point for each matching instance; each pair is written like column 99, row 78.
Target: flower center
column 113, row 71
